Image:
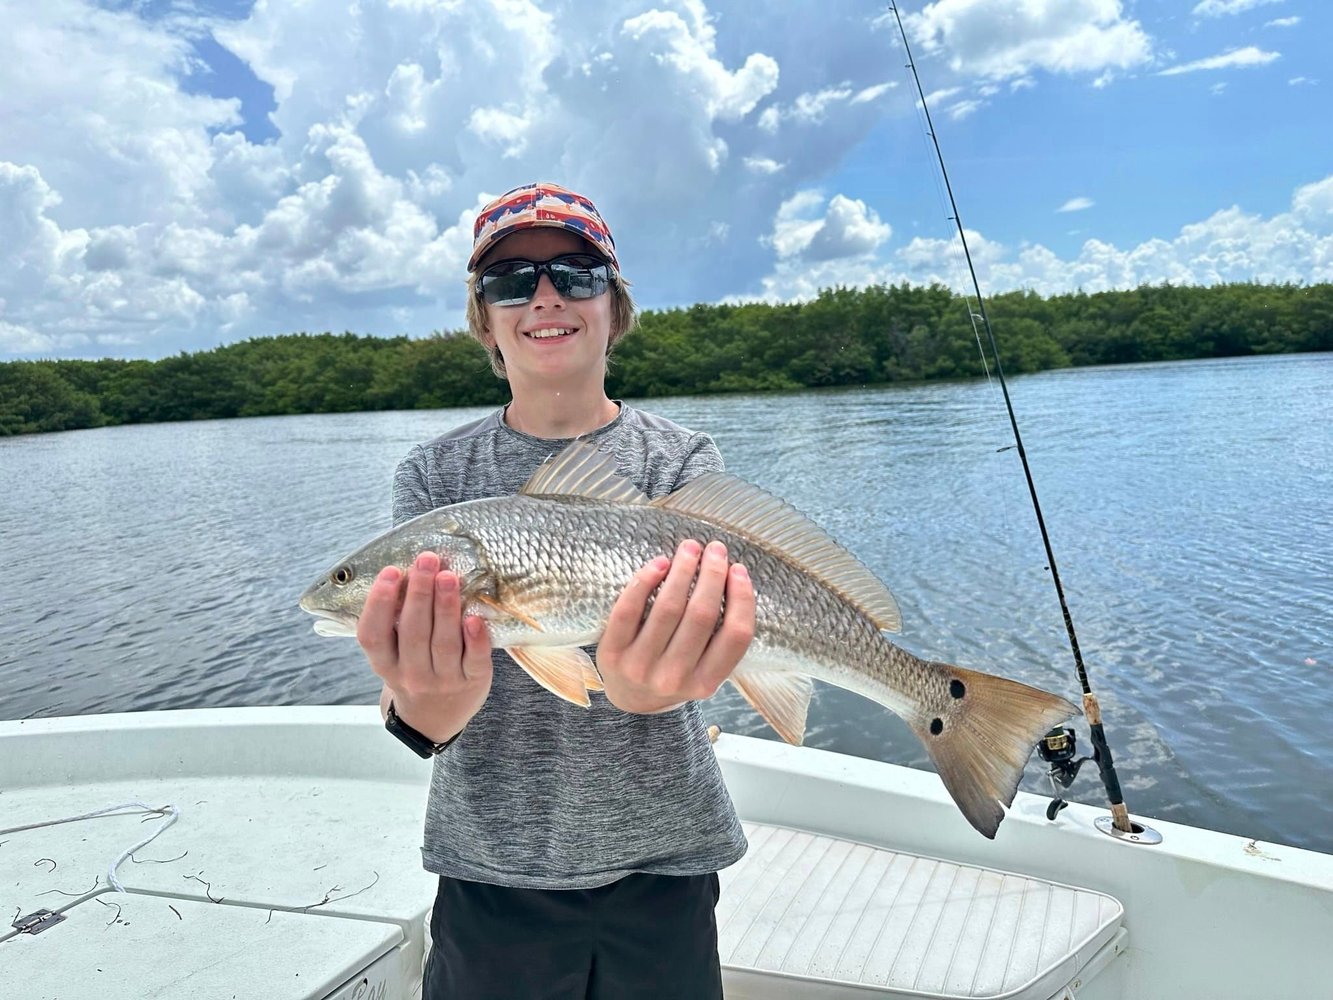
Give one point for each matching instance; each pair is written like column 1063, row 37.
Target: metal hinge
column 37, row 921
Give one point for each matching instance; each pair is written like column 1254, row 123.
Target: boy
column 577, row 849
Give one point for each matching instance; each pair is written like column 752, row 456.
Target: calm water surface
column 158, row 567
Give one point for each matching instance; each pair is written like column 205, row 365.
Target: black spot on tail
column 957, row 688
column 936, row 726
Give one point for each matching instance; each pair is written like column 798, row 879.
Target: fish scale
column 579, row 555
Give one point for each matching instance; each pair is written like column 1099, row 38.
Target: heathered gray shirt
column 537, row 792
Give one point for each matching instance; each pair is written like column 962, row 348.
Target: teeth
column 541, row 334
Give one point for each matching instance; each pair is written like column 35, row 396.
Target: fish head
column 338, row 595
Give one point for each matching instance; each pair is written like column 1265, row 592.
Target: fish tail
column 982, row 736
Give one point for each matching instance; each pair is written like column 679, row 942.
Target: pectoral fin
column 566, row 671
column 505, row 609
column 783, row 699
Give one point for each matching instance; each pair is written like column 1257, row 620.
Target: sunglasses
column 514, row 282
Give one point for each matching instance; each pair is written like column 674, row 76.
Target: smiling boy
column 577, row 849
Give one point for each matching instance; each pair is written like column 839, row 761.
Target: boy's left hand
column 679, row 652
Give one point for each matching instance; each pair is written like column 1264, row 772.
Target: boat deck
column 292, row 885
column 285, row 888
column 293, row 873
column 286, row 875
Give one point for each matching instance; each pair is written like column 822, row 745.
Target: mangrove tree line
column 843, row 337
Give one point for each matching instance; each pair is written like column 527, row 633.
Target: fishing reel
column 1057, row 749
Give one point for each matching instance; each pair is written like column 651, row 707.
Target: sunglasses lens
column 579, row 280
column 509, row 283
column 514, row 282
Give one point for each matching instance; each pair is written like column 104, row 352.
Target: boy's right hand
column 435, row 662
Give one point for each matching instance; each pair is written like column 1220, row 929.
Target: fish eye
column 343, row 575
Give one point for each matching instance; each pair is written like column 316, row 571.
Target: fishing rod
column 1057, row 747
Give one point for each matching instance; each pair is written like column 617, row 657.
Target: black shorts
column 645, row 937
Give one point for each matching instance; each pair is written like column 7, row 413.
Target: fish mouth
column 331, row 622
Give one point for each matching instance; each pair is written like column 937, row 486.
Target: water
column 157, row 567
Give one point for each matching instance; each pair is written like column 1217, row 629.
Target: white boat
column 287, row 866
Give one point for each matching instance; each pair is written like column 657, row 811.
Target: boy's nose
column 546, row 293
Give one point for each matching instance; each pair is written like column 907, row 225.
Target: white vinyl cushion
column 885, row 924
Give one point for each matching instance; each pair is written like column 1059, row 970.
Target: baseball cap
column 536, row 205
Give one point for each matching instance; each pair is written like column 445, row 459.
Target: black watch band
column 420, row 745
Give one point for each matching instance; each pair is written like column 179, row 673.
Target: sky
column 180, row 174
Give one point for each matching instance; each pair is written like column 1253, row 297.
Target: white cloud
column 503, row 128
column 689, row 49
column 1312, row 205
column 1283, row 22
column 98, row 93
column 1221, row 8
column 1229, row 246
column 936, row 97
column 870, row 93
column 1076, row 205
column 762, row 165
column 848, row 228
column 812, row 107
column 148, row 222
column 15, row 339
column 962, row 109
column 1235, row 58
column 999, row 39
column 407, row 87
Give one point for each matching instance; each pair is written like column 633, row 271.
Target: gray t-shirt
column 537, row 792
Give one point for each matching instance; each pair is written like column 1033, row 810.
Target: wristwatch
column 420, row 745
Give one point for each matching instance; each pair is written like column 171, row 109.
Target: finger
column 672, row 598
column 375, row 628
column 622, row 625
column 729, row 644
column 476, row 649
column 446, row 637
column 703, row 608
column 414, row 621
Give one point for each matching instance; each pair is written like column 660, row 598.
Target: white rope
column 171, row 814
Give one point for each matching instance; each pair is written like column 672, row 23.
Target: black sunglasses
column 514, row 282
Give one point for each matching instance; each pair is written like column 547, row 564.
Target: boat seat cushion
column 822, row 911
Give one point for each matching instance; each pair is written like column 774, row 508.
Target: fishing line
column 1055, row 742
column 169, row 812
column 952, row 254
column 955, row 265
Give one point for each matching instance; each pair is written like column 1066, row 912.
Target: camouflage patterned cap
column 536, row 205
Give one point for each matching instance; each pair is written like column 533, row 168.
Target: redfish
column 545, row 566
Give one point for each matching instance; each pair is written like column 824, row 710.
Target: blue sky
column 177, row 174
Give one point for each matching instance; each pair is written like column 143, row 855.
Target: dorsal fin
column 767, row 520
column 581, row 470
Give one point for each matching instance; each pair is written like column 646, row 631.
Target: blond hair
column 624, row 317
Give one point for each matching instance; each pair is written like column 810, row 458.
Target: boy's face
column 548, row 338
